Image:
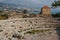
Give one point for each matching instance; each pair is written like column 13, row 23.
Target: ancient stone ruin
column 33, row 28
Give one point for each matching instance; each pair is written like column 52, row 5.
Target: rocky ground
column 10, row 34
column 29, row 29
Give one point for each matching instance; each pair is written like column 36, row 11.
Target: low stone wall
column 30, row 22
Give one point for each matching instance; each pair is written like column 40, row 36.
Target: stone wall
column 30, row 22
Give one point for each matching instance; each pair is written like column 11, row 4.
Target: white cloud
column 1, row 0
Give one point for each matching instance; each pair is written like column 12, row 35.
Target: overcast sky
column 29, row 2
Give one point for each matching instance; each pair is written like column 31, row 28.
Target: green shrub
column 4, row 16
column 56, row 15
column 36, row 31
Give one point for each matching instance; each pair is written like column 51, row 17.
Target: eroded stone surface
column 19, row 26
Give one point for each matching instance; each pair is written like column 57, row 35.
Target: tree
column 56, row 3
column 25, row 11
column 56, row 15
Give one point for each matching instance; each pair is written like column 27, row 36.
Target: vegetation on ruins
column 25, row 11
column 4, row 16
column 56, row 15
column 36, row 31
column 1, row 30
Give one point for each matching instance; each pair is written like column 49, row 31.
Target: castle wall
column 45, row 11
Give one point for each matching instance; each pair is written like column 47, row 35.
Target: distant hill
column 7, row 5
column 14, row 6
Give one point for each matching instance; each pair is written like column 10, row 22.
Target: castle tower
column 45, row 10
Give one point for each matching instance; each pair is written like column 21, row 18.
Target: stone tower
column 45, row 10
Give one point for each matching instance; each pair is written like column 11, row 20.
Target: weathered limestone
column 20, row 26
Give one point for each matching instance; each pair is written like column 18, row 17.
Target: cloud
column 1, row 0
column 29, row 2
